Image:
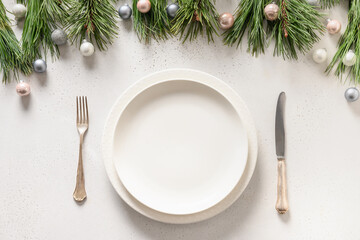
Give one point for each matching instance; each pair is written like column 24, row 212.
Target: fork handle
column 282, row 205
column 80, row 193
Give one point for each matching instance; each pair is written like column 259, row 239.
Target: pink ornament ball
column 333, row 26
column 226, row 20
column 143, row 6
column 271, row 12
column 23, row 89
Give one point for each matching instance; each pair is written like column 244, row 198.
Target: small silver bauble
column 352, row 94
column 125, row 12
column 87, row 48
column 349, row 59
column 320, row 55
column 59, row 37
column 39, row 66
column 19, row 11
column 23, row 88
column 172, row 10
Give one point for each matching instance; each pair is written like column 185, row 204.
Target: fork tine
column 77, row 109
column 82, row 109
column 80, row 112
column 86, row 110
column 83, row 105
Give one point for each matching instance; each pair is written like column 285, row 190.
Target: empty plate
column 180, row 146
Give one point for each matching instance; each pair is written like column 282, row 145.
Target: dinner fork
column 82, row 124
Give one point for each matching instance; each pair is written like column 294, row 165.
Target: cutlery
column 82, row 124
column 282, row 205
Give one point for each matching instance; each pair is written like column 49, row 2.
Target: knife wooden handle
column 282, row 205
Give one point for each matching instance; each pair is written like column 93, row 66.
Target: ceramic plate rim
column 107, row 140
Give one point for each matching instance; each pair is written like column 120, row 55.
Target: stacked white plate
column 179, row 146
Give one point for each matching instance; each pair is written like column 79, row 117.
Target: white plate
column 165, row 76
column 179, row 146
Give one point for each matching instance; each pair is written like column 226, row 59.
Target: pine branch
column 92, row 19
column 153, row 24
column 328, row 3
column 41, row 19
column 349, row 40
column 196, row 17
column 11, row 60
column 297, row 29
column 249, row 15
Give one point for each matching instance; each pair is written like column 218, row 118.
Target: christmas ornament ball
column 271, row 11
column 87, row 48
column 320, row 55
column 39, row 66
column 333, row 26
column 59, row 37
column 349, row 59
column 172, row 10
column 19, row 10
column 23, row 88
column 226, row 20
column 352, row 94
column 125, row 12
column 143, row 6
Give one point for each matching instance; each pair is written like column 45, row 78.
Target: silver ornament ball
column 172, row 10
column 39, row 66
column 125, row 12
column 352, row 94
column 59, row 37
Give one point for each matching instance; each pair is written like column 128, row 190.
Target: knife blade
column 282, row 205
column 279, row 127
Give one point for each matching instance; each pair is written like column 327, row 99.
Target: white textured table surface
column 39, row 145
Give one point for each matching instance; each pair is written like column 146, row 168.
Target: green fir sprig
column 11, row 60
column 153, row 24
column 249, row 16
column 43, row 16
column 297, row 28
column 328, row 3
column 350, row 40
column 94, row 20
column 196, row 17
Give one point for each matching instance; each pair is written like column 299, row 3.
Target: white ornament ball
column 23, row 88
column 349, row 59
column 352, row 94
column 320, row 55
column 59, row 37
column 19, row 10
column 87, row 48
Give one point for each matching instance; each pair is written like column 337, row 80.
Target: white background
column 39, row 144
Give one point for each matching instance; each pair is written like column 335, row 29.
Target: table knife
column 282, row 205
